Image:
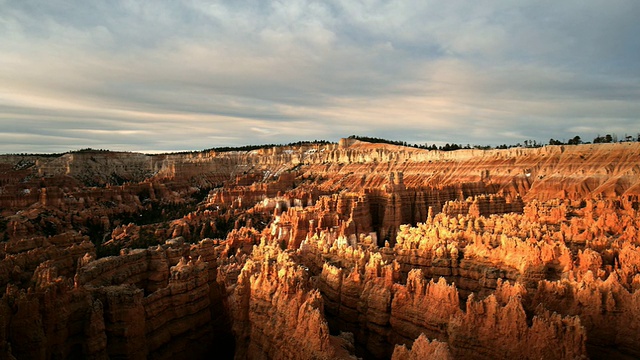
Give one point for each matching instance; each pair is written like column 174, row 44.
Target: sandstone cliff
column 322, row 251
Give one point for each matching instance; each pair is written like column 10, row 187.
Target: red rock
column 519, row 253
column 423, row 349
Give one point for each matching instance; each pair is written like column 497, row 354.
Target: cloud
column 191, row 75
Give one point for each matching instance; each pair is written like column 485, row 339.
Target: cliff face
column 276, row 315
column 322, row 252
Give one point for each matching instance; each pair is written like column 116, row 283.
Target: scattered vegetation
column 375, row 140
column 251, row 147
column 52, row 155
column 90, row 150
column 576, row 140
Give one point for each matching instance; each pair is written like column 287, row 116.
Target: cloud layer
column 167, row 75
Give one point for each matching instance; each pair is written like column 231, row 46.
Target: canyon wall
column 322, row 251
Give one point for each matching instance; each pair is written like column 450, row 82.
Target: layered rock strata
column 322, row 251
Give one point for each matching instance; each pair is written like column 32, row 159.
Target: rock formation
column 322, row 251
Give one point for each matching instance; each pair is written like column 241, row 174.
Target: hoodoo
column 322, row 251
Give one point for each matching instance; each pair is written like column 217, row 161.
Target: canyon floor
column 322, row 251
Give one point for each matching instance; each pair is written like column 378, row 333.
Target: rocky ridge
column 322, row 251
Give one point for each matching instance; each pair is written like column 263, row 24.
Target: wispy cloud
column 189, row 75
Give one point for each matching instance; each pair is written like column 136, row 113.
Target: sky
column 157, row 76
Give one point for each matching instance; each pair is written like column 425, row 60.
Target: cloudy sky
column 187, row 75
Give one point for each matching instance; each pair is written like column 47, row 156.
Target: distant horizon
column 305, row 142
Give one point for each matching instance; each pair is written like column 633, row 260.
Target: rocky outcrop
column 275, row 315
column 52, row 319
column 608, row 310
column 422, row 307
column 97, row 167
column 322, row 251
column 423, row 349
column 490, row 330
column 135, row 306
